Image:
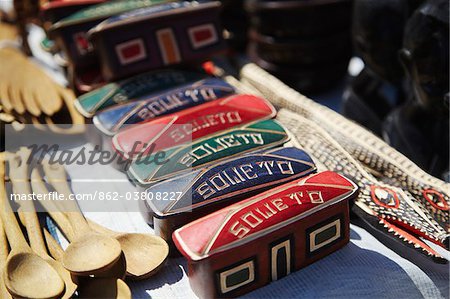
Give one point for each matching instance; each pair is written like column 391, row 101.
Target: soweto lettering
column 175, row 100
column 258, row 215
column 203, row 122
column 219, row 182
column 219, row 144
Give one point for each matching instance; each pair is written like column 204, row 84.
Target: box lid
column 262, row 214
column 154, row 105
column 64, row 3
column 152, row 13
column 132, row 88
column 190, row 124
column 231, row 178
column 103, row 11
column 223, row 145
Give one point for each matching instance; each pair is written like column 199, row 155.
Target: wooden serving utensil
column 19, row 178
column 117, row 270
column 89, row 253
column 145, row 254
column 25, row 86
column 104, row 287
column 71, row 287
column 26, row 275
column 28, row 92
column 3, row 256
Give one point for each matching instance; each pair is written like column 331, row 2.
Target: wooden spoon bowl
column 25, row 270
column 145, row 254
column 70, row 286
column 26, row 275
column 91, row 254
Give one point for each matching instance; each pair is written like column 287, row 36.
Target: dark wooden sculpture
column 306, row 44
column 420, row 128
column 378, row 27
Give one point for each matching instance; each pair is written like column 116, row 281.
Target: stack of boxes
column 307, row 43
column 197, row 147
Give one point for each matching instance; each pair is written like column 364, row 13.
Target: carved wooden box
column 158, row 36
column 253, row 242
column 209, row 189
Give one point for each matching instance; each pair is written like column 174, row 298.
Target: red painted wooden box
column 264, row 238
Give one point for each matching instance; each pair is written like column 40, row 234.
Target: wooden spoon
column 117, row 270
column 90, row 253
column 145, row 254
column 3, row 256
column 104, row 287
column 26, row 275
column 92, row 287
column 39, row 188
column 18, row 175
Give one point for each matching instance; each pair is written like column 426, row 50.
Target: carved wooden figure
column 420, row 128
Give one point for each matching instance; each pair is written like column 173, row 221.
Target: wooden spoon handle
column 19, row 178
column 3, row 246
column 101, row 229
column 53, row 246
column 3, row 256
column 57, row 177
column 77, row 220
column 39, row 187
column 13, row 232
